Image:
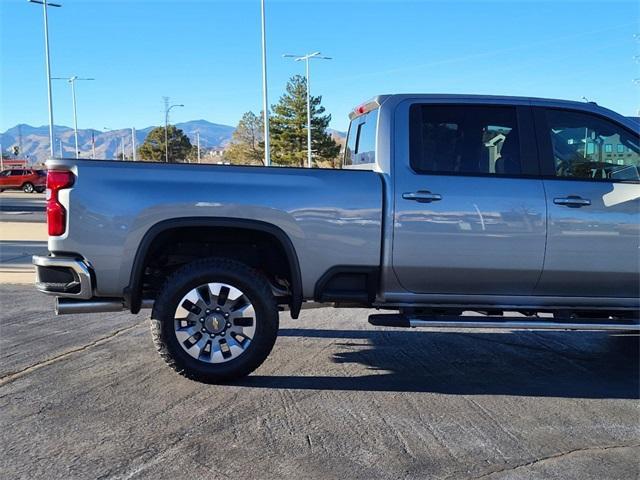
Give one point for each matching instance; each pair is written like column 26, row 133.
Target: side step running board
column 513, row 323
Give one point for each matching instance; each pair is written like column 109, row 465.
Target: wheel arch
column 133, row 292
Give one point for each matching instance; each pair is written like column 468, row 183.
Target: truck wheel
column 27, row 187
column 215, row 320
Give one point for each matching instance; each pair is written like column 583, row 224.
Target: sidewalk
column 18, row 242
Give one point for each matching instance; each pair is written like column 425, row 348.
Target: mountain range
column 108, row 143
column 34, row 141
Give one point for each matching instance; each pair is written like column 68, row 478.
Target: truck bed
column 332, row 217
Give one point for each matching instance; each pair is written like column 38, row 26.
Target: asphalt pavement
column 88, row 397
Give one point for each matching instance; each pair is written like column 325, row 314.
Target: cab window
column 464, row 140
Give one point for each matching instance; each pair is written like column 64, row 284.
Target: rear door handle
column 422, row 196
column 572, row 201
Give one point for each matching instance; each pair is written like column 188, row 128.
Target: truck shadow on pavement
column 538, row 364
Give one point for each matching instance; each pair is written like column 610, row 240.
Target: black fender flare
column 133, row 292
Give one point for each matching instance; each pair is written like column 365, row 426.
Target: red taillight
column 56, row 213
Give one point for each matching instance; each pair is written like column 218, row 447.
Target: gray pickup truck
column 525, row 210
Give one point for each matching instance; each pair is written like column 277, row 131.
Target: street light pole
column 44, row 4
column 72, row 81
column 306, row 58
column 166, row 131
column 265, row 100
column 308, row 114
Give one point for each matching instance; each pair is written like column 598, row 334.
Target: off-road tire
column 231, row 272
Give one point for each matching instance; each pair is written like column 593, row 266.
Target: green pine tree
column 153, row 147
column 289, row 128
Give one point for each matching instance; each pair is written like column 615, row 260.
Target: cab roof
column 593, row 107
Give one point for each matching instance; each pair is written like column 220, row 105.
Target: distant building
column 15, row 163
column 216, row 152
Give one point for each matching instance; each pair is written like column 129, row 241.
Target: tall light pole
column 265, row 99
column 72, row 82
column 166, row 130
column 46, row 4
column 306, row 58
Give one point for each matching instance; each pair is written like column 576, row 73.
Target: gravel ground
column 87, row 397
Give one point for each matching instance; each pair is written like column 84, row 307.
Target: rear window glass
column 361, row 140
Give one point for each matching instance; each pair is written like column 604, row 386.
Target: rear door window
column 464, row 140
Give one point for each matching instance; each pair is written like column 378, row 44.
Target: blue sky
column 206, row 55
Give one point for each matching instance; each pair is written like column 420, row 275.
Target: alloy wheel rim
column 215, row 322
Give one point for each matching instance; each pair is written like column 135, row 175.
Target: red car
column 26, row 179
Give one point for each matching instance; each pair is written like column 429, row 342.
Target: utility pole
column 306, row 58
column 265, row 100
column 46, row 4
column 72, row 81
column 133, row 143
column 166, row 127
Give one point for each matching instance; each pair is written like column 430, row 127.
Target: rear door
column 592, row 183
column 470, row 213
column 15, row 178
